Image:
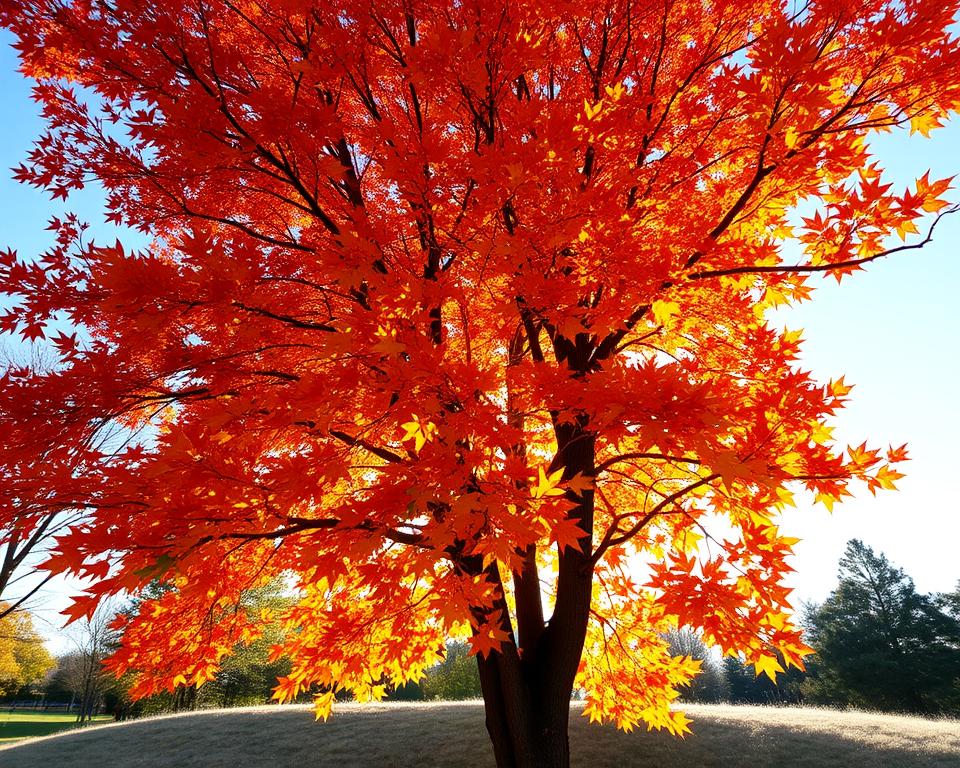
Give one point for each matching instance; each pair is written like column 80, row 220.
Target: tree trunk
column 527, row 726
column 527, row 685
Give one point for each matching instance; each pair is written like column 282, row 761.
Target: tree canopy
column 23, row 658
column 880, row 644
column 455, row 312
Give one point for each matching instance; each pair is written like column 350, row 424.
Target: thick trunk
column 527, row 685
column 527, row 729
column 527, row 689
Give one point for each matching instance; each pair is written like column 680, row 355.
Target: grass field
column 452, row 735
column 24, row 725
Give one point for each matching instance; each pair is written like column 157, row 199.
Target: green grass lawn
column 449, row 735
column 25, row 725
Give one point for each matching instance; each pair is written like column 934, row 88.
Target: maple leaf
column 767, row 665
column 82, row 607
column 579, row 484
column 286, row 690
column 322, row 704
column 421, row 432
column 567, row 533
column 547, row 485
column 925, row 122
column 486, row 639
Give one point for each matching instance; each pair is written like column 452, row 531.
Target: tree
column 81, row 672
column 455, row 677
column 949, row 602
column 455, row 312
column 881, row 645
column 23, row 658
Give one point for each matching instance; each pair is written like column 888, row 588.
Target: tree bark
column 528, row 684
column 526, row 730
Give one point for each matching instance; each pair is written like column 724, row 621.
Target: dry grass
column 452, row 735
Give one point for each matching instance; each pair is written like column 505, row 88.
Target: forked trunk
column 527, row 684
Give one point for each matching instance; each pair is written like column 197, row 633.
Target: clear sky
column 893, row 331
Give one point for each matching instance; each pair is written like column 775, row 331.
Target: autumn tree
column 23, row 658
column 456, row 313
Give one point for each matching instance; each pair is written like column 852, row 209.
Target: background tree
column 881, row 645
column 448, row 306
column 24, row 660
column 81, row 672
column 456, row 677
column 950, row 602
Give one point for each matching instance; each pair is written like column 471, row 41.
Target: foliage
column 23, row 658
column 881, row 645
column 949, row 602
column 456, row 311
column 30, row 521
column 710, row 685
column 455, row 677
column 246, row 676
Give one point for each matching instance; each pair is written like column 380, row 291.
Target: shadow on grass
column 453, row 736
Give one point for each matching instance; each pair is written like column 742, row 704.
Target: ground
column 16, row 725
column 451, row 735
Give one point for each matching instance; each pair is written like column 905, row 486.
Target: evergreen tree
column 880, row 644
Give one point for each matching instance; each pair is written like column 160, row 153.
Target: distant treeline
column 878, row 644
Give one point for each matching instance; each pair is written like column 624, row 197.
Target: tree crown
column 451, row 310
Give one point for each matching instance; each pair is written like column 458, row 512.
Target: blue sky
column 893, row 331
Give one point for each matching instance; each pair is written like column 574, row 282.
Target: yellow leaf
column 616, row 91
column 591, row 111
column 422, row 432
column 679, row 724
column 924, row 123
column 547, row 484
column 826, row 499
column 322, row 704
column 769, row 666
column 664, row 310
column 689, row 541
column 821, row 434
column 907, row 228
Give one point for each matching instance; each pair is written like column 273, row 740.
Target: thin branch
column 797, row 268
column 612, row 539
column 628, row 456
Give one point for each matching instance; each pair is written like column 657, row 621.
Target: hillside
column 452, row 735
